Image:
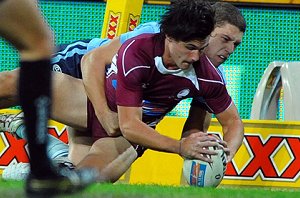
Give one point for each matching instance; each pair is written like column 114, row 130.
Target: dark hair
column 228, row 13
column 187, row 20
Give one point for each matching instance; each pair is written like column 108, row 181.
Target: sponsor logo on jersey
column 183, row 93
column 112, row 68
column 56, row 68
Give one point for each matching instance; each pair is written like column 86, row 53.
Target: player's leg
column 22, row 25
column 57, row 151
column 66, row 59
column 80, row 144
column 55, row 147
column 112, row 156
column 69, row 106
column 69, row 101
column 9, row 88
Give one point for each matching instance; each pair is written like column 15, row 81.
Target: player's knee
column 40, row 47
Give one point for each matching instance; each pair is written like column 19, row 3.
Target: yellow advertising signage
column 269, row 155
column 121, row 16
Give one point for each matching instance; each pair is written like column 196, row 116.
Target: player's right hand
column 195, row 146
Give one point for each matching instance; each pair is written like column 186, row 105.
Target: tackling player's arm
column 233, row 129
column 195, row 121
column 93, row 74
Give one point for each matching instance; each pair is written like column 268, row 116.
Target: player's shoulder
column 145, row 41
column 208, row 72
column 142, row 50
column 139, row 50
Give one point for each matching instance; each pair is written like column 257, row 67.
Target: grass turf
column 16, row 189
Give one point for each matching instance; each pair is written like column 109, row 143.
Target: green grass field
column 15, row 190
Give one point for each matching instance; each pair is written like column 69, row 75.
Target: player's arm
column 233, row 129
column 197, row 120
column 134, row 130
column 93, row 74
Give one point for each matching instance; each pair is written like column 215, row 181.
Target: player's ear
column 169, row 39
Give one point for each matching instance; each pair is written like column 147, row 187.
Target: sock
column 55, row 147
column 21, row 132
column 35, row 99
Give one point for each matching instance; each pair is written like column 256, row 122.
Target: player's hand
column 229, row 155
column 223, row 143
column 110, row 122
column 195, row 146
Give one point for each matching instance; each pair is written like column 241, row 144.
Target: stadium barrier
column 279, row 83
column 268, row 157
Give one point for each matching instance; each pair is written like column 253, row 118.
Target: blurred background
column 273, row 34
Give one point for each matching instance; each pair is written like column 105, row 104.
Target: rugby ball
column 203, row 174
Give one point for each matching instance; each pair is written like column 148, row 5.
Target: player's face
column 183, row 54
column 222, row 43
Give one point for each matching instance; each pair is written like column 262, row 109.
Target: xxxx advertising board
column 269, row 155
column 14, row 150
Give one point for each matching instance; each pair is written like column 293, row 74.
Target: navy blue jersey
column 68, row 56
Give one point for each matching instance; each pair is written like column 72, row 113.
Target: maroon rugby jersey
column 138, row 78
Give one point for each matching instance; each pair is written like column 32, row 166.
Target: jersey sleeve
column 217, row 102
column 151, row 27
column 132, row 70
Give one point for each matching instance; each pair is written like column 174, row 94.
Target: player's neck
column 168, row 61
